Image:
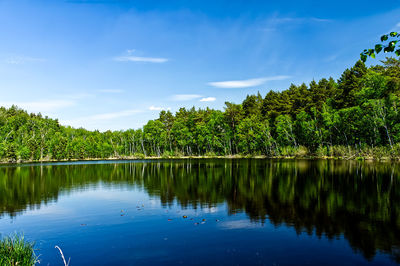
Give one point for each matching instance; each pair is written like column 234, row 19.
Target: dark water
column 247, row 212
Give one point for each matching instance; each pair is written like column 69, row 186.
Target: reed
column 15, row 250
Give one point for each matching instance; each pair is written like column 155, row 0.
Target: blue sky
column 104, row 64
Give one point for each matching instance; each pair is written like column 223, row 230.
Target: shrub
column 139, row 155
column 379, row 153
column 23, row 153
column 395, row 152
column 16, row 251
column 340, row 151
column 167, row 154
column 301, row 151
column 210, row 154
column 286, row 151
column 178, row 153
column 322, row 151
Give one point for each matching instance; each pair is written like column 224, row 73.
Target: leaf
column 392, row 43
column 363, row 57
column 370, row 51
column 378, row 48
column 384, row 37
column 398, row 52
column 372, row 55
column 393, row 34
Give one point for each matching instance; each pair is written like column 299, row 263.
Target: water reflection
column 358, row 200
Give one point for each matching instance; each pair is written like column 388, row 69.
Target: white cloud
column 141, row 59
column 185, row 97
column 18, row 60
column 111, row 91
column 131, row 58
column 208, row 99
column 158, row 108
column 113, row 115
column 245, row 83
column 88, row 120
column 40, row 106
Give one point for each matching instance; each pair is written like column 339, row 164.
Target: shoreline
column 128, row 158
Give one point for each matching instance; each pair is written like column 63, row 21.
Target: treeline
column 356, row 116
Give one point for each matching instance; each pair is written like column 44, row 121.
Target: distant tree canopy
column 358, row 112
column 388, row 45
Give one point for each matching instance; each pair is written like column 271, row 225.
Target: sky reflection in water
column 238, row 211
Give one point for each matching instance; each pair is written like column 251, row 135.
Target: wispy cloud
column 158, row 108
column 395, row 27
column 104, row 121
column 141, row 59
column 208, row 99
column 276, row 22
column 41, row 106
column 19, row 59
column 296, row 20
column 111, row 91
column 129, row 57
column 113, row 115
column 321, row 19
column 100, row 117
column 332, row 57
column 245, row 83
column 185, row 97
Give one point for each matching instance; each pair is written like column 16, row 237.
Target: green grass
column 14, row 250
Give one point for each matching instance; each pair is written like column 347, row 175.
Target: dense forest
column 355, row 116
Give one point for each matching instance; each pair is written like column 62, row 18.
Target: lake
column 206, row 211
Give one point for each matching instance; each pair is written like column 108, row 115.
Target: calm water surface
column 246, row 212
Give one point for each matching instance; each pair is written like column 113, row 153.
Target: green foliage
column 322, row 151
column 292, row 151
column 167, row 154
column 139, row 155
column 327, row 118
column 340, row 151
column 15, row 250
column 284, row 131
column 388, row 45
column 253, row 135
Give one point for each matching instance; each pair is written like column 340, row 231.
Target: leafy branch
column 388, row 45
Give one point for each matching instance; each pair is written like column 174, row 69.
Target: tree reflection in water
column 359, row 200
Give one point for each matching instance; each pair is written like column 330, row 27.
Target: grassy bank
column 288, row 152
column 15, row 250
